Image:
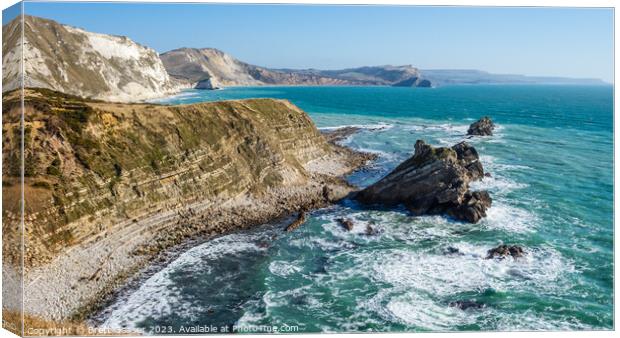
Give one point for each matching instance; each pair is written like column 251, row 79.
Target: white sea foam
column 250, row 318
column 496, row 184
column 492, row 164
column 414, row 310
column 446, row 134
column 444, row 127
column 376, row 126
column 159, row 296
column 283, row 268
column 319, row 243
column 153, row 297
column 422, row 283
column 506, row 217
column 383, row 154
column 437, row 274
column 389, row 225
column 531, row 321
column 273, row 299
column 179, row 96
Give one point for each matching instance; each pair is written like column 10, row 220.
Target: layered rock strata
column 434, row 181
column 108, row 185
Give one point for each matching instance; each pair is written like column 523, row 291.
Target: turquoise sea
column 551, row 162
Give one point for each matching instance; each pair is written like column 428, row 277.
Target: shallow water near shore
column 551, row 161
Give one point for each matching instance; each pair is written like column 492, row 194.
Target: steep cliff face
column 210, row 68
column 82, row 63
column 90, row 165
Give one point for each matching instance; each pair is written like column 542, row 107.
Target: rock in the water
column 301, row 218
column 473, row 207
column 370, row 230
column 466, row 304
column 504, row 251
column 452, row 251
column 434, row 181
column 340, row 134
column 482, row 127
column 346, row 223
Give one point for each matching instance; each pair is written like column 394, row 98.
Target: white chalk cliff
column 82, row 63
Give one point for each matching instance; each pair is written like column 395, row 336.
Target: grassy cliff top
column 107, row 139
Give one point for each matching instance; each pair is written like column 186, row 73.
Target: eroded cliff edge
column 107, row 185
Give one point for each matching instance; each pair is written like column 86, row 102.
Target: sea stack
column 434, row 181
column 482, row 127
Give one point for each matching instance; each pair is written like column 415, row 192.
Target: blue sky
column 532, row 41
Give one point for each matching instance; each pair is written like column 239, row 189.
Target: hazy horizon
column 554, row 42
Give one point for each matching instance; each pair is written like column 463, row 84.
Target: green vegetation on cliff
column 91, row 164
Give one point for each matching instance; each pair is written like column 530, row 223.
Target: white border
column 489, row 3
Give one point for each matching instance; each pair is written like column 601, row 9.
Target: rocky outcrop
column 482, row 127
column 208, row 68
column 346, row 223
column 299, row 220
column 434, row 181
column 109, row 185
column 91, row 165
column 504, row 251
column 82, row 63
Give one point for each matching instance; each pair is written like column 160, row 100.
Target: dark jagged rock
column 301, row 218
column 473, row 207
column 346, row 223
column 434, row 181
column 504, row 251
column 369, row 230
column 482, row 127
column 452, row 251
column 340, row 134
column 327, row 193
column 466, row 304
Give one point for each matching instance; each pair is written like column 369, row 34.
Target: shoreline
column 84, row 279
column 161, row 260
column 99, row 314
